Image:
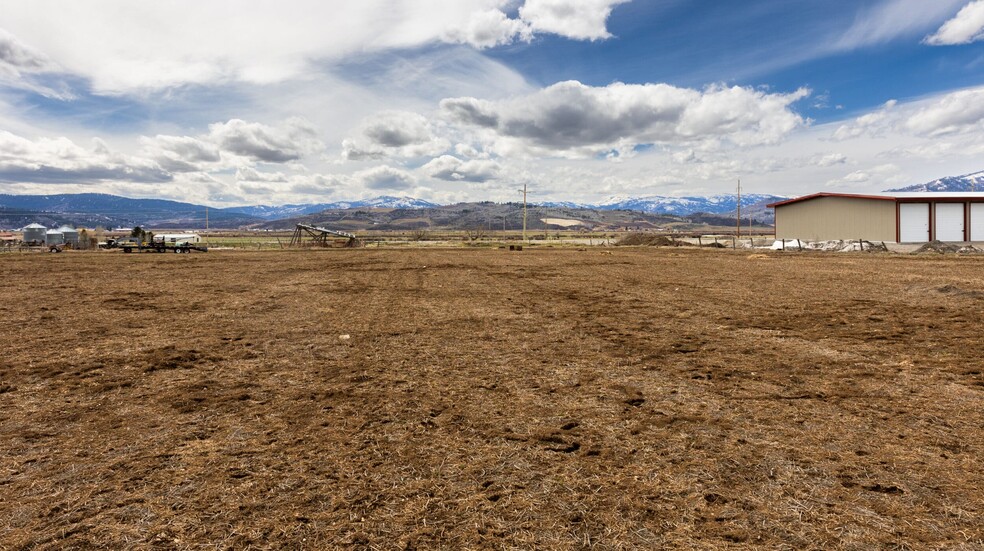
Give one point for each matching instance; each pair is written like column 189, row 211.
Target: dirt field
column 570, row 399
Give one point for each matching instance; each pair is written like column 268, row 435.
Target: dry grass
column 672, row 398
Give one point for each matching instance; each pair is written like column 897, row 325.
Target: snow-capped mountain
column 268, row 212
column 681, row 206
column 564, row 204
column 967, row 182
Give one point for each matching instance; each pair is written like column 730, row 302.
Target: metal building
column 35, row 233
column 899, row 217
column 70, row 235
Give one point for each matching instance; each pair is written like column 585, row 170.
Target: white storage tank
column 35, row 233
column 54, row 237
column 70, row 235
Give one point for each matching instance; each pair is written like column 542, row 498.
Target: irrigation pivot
column 319, row 236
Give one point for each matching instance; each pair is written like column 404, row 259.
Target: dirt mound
column 648, row 240
column 969, row 249
column 937, row 246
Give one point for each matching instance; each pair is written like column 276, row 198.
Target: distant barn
column 898, row 217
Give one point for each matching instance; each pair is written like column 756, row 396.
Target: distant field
column 480, row 398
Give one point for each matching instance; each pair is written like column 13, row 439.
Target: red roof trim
column 818, row 195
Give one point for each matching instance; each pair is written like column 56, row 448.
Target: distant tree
column 418, row 234
column 137, row 231
column 475, row 233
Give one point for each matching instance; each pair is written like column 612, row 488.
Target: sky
column 246, row 102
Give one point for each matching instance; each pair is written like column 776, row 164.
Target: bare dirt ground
column 631, row 399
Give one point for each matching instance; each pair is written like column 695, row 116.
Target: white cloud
column 21, row 66
column 394, row 133
column 453, row 169
column 893, row 19
column 579, row 19
column 123, row 46
column 572, row 119
column 384, row 178
column 883, row 174
column 61, row 161
column 828, row 159
column 960, row 112
column 181, row 153
column 954, row 113
column 486, row 29
column 869, row 124
column 259, row 142
column 966, row 27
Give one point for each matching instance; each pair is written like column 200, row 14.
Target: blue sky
column 451, row 100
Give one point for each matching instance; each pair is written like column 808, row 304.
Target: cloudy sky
column 228, row 102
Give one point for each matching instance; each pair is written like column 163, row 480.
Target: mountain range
column 967, row 182
column 96, row 209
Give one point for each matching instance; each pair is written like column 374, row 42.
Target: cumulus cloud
column 453, row 169
column 578, row 19
column 125, row 47
column 232, row 144
column 954, row 113
column 828, row 159
column 22, row 66
column 181, row 153
column 583, row 120
column 966, row 27
column 248, row 174
column 394, row 133
column 260, row 142
column 486, row 29
column 15, row 55
column 61, row 161
column 870, row 124
column 384, row 178
column 883, row 174
column 960, row 112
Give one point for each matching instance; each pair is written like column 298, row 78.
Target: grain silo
column 70, row 235
column 54, row 237
column 35, row 233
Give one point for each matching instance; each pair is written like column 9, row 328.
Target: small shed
column 54, row 237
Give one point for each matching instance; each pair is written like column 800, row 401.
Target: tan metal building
column 901, row 217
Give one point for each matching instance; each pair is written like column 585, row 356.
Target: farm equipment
column 131, row 244
column 322, row 237
column 161, row 247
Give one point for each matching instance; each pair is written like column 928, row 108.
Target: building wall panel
column 949, row 221
column 977, row 221
column 827, row 218
column 914, row 222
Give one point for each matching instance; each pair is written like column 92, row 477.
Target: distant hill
column 286, row 211
column 96, row 209
column 99, row 209
column 967, row 182
column 495, row 216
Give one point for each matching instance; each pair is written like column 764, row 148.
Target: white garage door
column 914, row 222
column 977, row 221
column 950, row 221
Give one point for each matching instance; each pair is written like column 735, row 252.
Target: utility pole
column 524, row 213
column 738, row 219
